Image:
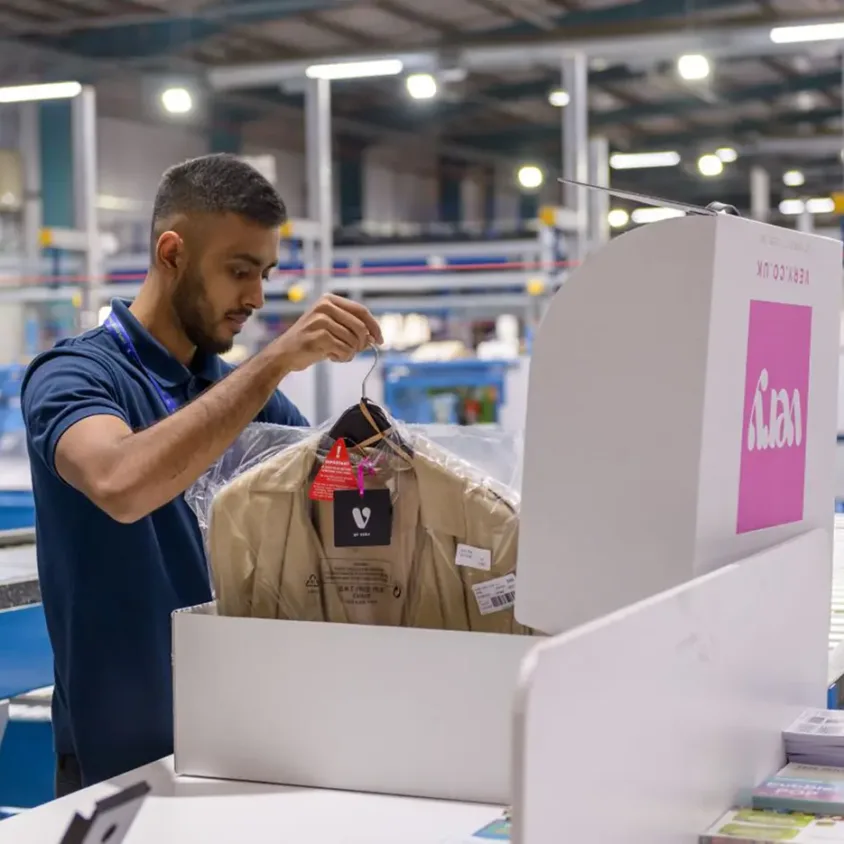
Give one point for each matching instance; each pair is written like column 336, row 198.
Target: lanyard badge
column 116, row 329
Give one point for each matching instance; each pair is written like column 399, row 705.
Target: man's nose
column 255, row 297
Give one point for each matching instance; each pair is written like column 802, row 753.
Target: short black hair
column 217, row 184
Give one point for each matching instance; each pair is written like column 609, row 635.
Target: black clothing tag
column 361, row 520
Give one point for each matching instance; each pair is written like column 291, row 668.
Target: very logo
column 362, row 520
column 776, row 418
column 774, row 427
column 361, row 517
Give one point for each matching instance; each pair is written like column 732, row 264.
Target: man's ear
column 169, row 251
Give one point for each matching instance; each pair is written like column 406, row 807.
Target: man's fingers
column 340, row 343
column 350, row 324
column 361, row 313
column 340, row 332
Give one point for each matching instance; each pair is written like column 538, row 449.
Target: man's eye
column 240, row 275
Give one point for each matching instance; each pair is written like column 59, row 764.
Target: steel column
column 320, row 197
column 760, row 194
column 30, row 150
column 806, row 222
column 598, row 200
column 575, row 118
column 84, row 121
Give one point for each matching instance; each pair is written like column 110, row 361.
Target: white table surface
column 18, row 562
column 181, row 810
column 836, row 625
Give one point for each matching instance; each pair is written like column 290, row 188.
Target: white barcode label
column 495, row 595
column 473, row 558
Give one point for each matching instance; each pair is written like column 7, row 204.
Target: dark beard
column 194, row 314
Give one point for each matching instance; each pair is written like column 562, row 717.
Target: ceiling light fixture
column 820, row 205
column 816, row 205
column 45, row 91
column 792, row 207
column 421, row 86
column 176, row 100
column 710, row 165
column 642, row 160
column 618, row 218
column 530, row 177
column 559, row 98
column 807, row 33
column 693, row 67
column 355, row 70
column 653, row 215
column 793, row 178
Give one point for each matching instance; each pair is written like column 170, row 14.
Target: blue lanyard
column 113, row 326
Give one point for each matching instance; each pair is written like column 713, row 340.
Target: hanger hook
column 371, row 369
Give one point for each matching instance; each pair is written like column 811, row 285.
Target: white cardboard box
column 667, row 351
column 630, row 481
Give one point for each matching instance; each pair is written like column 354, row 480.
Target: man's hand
column 334, row 329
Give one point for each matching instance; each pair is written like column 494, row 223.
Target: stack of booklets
column 765, row 827
column 816, row 738
column 813, row 789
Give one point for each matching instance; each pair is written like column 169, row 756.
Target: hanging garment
column 448, row 563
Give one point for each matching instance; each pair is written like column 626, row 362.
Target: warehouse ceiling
column 777, row 107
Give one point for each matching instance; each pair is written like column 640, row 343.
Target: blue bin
column 408, row 386
column 17, row 509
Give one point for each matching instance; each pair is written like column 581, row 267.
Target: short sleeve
column 279, row 410
column 59, row 390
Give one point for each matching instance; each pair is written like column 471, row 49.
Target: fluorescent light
column 727, row 154
column 793, row 178
column 810, row 32
column 710, row 165
column 177, row 100
column 355, row 70
column 559, row 98
column 530, row 177
column 421, row 86
column 693, row 67
column 820, row 205
column 654, row 215
column 637, row 160
column 45, row 91
column 618, row 218
column 792, row 207
column 805, row 100
column 816, row 205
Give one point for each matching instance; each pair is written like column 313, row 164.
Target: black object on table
column 111, row 819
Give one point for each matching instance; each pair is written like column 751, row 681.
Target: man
column 121, row 421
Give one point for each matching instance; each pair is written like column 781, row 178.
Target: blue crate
column 407, row 385
column 27, row 764
column 17, row 509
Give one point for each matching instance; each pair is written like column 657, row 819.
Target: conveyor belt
column 18, row 572
column 26, row 660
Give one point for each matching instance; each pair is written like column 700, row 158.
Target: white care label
column 496, row 595
column 473, row 558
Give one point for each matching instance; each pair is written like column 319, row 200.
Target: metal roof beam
column 684, row 105
column 659, row 40
column 145, row 35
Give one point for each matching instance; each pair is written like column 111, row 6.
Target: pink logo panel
column 776, row 404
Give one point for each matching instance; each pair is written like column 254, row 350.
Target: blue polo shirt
column 108, row 588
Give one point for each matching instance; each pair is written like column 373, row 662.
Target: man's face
column 227, row 260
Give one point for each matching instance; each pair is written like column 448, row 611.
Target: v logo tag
column 361, row 517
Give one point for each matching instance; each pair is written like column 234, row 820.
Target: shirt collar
column 168, row 371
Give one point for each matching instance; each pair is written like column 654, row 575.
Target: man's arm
column 129, row 475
